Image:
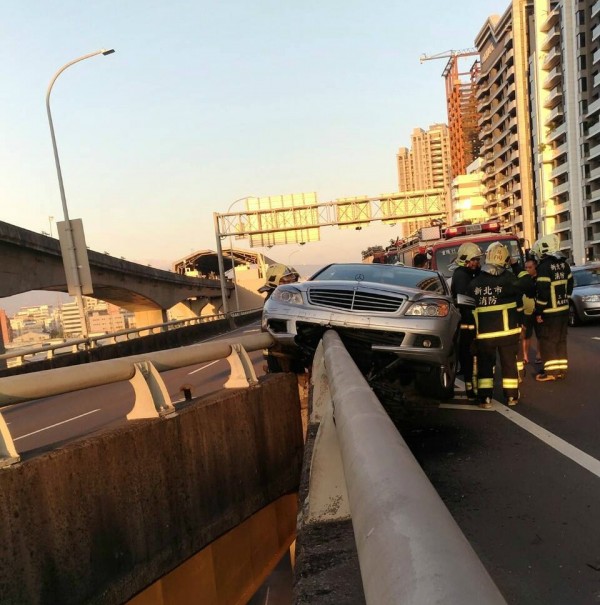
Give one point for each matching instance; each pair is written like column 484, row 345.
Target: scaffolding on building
column 463, row 117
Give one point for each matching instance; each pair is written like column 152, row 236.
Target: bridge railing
column 50, row 350
column 410, row 549
column 152, row 398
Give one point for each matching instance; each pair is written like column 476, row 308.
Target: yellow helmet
column 549, row 244
column 467, row 252
column 497, row 254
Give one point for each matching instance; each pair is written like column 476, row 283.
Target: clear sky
column 206, row 102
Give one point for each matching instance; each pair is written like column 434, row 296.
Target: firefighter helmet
column 549, row 244
column 497, row 254
column 468, row 252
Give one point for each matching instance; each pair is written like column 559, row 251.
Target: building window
column 581, row 60
column 582, row 84
column 581, row 40
column 580, row 17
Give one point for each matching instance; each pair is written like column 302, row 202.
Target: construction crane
column 448, row 54
column 462, row 108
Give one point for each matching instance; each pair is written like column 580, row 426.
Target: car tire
column 574, row 319
column 437, row 383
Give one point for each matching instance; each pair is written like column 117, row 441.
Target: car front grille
column 354, row 300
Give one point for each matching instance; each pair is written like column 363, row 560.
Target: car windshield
column 587, row 277
column 444, row 257
column 383, row 274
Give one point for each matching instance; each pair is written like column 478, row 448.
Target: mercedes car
column 398, row 323
column 584, row 305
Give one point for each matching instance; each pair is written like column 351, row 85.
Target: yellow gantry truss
column 300, row 219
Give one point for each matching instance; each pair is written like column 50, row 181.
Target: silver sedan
column 585, row 300
column 397, row 322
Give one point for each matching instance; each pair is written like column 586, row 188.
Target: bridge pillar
column 151, row 317
column 190, row 308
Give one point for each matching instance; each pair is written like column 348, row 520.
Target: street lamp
column 68, row 229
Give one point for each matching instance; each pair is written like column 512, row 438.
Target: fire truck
column 441, row 245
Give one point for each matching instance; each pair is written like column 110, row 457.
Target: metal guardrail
column 410, row 549
column 91, row 342
column 142, row 371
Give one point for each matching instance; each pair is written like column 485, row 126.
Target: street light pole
column 69, row 230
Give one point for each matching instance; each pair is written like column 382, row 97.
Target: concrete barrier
column 410, row 549
column 99, row 520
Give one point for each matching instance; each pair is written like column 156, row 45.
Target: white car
column 398, row 323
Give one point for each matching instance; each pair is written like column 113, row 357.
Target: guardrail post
column 242, row 369
column 151, row 396
column 8, row 452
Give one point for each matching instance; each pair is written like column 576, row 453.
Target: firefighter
column 467, row 259
column 497, row 297
column 554, row 286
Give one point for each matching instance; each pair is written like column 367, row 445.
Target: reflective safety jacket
column 554, row 285
column 498, row 300
column 461, row 278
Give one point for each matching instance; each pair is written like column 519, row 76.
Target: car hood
column 586, row 290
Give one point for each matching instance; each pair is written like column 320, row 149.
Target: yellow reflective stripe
column 520, row 365
column 486, row 383
column 466, row 327
column 556, row 309
column 498, row 334
column 541, row 303
column 510, row 383
column 539, row 279
column 512, row 305
column 560, row 282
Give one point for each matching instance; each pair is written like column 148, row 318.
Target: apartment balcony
column 595, row 9
column 554, row 98
column 552, row 37
column 596, row 80
column 596, row 33
column 594, row 175
column 596, row 55
column 559, row 170
column 594, row 152
column 559, row 151
column 557, row 112
column 552, row 58
column 553, row 78
column 557, row 132
column 595, row 217
column 593, row 131
column 562, row 227
column 559, row 190
column 593, row 108
column 551, row 20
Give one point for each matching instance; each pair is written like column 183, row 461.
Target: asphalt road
column 524, row 483
column 46, row 423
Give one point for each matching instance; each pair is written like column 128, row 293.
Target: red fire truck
column 441, row 245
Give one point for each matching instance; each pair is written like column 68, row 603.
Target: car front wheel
column 574, row 319
column 437, row 383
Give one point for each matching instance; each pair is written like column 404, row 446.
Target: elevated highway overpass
column 31, row 261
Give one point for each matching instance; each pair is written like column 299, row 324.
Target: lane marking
column 560, row 445
column 54, row 425
column 212, row 363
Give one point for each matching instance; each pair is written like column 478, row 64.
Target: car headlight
column 590, row 298
column 429, row 308
column 290, row 296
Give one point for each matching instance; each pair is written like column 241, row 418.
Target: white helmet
column 467, row 252
column 497, row 254
column 547, row 245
